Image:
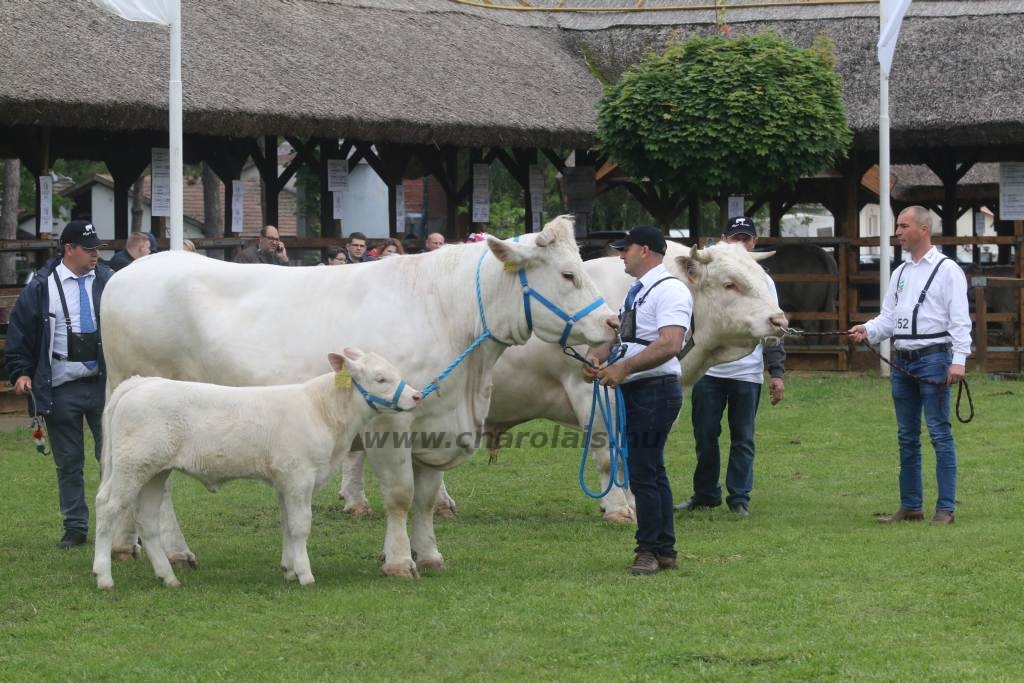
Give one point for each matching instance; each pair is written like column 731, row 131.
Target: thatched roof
column 445, row 72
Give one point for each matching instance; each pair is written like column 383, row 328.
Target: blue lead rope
column 618, row 445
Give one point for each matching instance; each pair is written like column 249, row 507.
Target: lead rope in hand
column 962, row 385
column 38, row 428
column 618, row 446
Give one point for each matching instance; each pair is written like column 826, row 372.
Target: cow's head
column 379, row 381
column 733, row 307
column 553, row 270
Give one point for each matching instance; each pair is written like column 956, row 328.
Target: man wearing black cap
column 736, row 385
column 653, row 322
column 55, row 355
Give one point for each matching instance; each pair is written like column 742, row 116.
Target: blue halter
column 528, row 291
column 374, row 401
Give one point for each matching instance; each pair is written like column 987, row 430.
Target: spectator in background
column 335, row 256
column 269, row 249
column 435, row 240
column 189, row 245
column 357, row 248
column 135, row 247
column 152, row 242
column 390, row 247
column 412, row 245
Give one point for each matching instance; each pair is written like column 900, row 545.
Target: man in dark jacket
column 55, row 355
column 269, row 249
column 135, row 247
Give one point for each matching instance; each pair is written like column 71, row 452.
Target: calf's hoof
column 620, row 517
column 307, row 580
column 403, row 570
column 445, row 510
column 435, row 564
column 358, row 509
column 104, row 583
column 183, row 560
column 172, row 582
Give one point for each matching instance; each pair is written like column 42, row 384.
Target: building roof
column 445, row 72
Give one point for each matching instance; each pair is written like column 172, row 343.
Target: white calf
column 292, row 436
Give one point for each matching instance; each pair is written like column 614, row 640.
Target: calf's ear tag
column 511, row 267
column 342, row 379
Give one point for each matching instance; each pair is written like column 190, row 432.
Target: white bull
column 183, row 316
column 733, row 310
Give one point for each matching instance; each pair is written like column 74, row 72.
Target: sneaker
column 740, row 509
column 666, row 562
column 644, row 563
column 694, row 504
column 71, row 539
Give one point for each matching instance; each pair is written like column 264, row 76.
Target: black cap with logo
column 81, row 233
column 645, row 235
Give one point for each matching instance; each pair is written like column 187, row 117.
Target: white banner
column 893, row 11
column 337, row 175
column 45, row 204
column 536, row 188
column 160, row 182
column 237, row 205
column 481, row 193
column 149, row 11
column 1011, row 191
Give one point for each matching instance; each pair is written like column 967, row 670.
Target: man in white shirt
column 653, row 323
column 55, row 353
column 925, row 313
column 736, row 385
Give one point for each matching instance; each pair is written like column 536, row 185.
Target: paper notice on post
column 481, row 193
column 337, row 175
column 400, row 208
column 736, row 206
column 536, row 188
column 160, row 182
column 45, row 204
column 1011, row 191
column 979, row 223
column 237, row 205
column 337, row 213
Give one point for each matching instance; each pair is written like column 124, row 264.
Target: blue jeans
column 910, row 398
column 709, row 399
column 71, row 403
column 651, row 409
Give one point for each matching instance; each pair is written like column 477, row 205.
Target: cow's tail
column 108, row 420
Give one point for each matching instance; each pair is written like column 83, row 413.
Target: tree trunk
column 9, row 219
column 137, row 212
column 213, row 211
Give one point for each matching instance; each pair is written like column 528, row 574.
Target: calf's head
column 553, row 270
column 377, row 380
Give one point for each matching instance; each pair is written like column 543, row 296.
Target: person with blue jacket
column 54, row 354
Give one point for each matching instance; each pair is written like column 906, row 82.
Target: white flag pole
column 177, row 235
column 884, row 205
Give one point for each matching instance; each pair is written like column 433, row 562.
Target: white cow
column 183, row 316
column 733, row 309
column 292, row 436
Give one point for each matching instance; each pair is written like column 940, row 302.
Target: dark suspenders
column 924, row 292
column 632, row 338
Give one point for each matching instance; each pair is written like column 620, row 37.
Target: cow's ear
column 693, row 268
column 337, row 362
column 509, row 253
column 352, row 353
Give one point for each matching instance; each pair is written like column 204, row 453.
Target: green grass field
column 808, row 588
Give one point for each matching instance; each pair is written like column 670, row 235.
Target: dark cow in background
column 805, row 297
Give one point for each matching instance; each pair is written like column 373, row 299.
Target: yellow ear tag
column 511, row 267
column 342, row 379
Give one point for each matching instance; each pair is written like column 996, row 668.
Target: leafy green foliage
column 716, row 115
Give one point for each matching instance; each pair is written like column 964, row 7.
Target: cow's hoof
column 289, row 575
column 307, row 580
column 172, row 582
column 445, row 510
column 403, row 570
column 358, row 509
column 124, row 554
column 620, row 517
column 183, row 560
column 435, row 565
column 105, row 584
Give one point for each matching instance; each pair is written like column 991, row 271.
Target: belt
column 648, row 382
column 917, row 354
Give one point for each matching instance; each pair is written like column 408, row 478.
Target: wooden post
column 842, row 322
column 980, row 322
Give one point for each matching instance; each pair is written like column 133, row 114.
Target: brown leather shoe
column 665, row 562
column 644, row 563
column 943, row 517
column 903, row 515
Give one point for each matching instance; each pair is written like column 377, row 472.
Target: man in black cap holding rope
column 54, row 354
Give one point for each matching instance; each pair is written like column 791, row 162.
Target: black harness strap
column 924, row 292
column 633, row 339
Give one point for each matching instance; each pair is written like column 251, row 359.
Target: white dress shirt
column 63, row 370
column 670, row 303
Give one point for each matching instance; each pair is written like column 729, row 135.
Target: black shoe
column 71, row 539
column 740, row 509
column 694, row 504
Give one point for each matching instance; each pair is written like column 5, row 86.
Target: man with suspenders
column 653, row 323
column 925, row 313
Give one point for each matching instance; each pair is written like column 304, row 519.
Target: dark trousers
column 651, row 409
column 709, row 399
column 72, row 402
